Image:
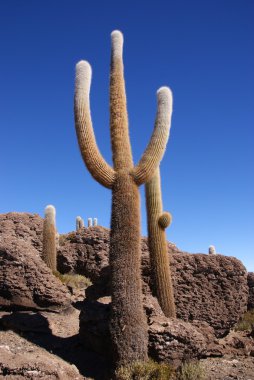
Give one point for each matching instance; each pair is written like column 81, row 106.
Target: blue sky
column 202, row 49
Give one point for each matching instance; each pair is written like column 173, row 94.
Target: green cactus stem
column 158, row 221
column 128, row 325
column 49, row 238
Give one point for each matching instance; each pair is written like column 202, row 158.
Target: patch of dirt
column 229, row 368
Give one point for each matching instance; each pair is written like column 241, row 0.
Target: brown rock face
column 85, row 252
column 211, row 288
column 251, row 290
column 25, row 280
column 25, row 226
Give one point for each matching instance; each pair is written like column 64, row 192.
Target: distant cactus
column 49, row 238
column 128, row 326
column 79, row 223
column 212, row 250
column 78, row 219
column 95, row 222
column 158, row 221
column 90, row 222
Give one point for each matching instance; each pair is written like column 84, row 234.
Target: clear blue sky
column 202, row 49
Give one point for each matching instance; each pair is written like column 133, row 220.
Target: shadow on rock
column 35, row 328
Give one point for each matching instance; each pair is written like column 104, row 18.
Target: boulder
column 25, row 280
column 250, row 279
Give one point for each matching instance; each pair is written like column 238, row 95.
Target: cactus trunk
column 159, row 257
column 128, row 323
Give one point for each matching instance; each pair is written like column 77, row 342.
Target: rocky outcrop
column 25, row 226
column 26, row 281
column 211, row 288
column 170, row 340
column 251, row 290
column 85, row 252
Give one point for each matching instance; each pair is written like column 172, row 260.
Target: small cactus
column 78, row 219
column 90, row 222
column 212, row 250
column 79, row 223
column 49, row 238
column 95, row 222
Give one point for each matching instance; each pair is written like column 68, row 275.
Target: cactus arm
column 120, row 141
column 159, row 258
column 154, row 152
column 165, row 220
column 97, row 166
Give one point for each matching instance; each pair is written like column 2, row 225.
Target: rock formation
column 25, row 280
column 211, row 288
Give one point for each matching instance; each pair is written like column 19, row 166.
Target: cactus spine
column 158, row 221
column 90, row 222
column 49, row 238
column 128, row 322
column 95, row 222
column 212, row 250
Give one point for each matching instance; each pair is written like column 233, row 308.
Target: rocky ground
column 42, row 345
column 49, row 331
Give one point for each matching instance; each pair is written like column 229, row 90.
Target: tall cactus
column 158, row 221
column 49, row 238
column 128, row 322
column 95, row 222
column 90, row 222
